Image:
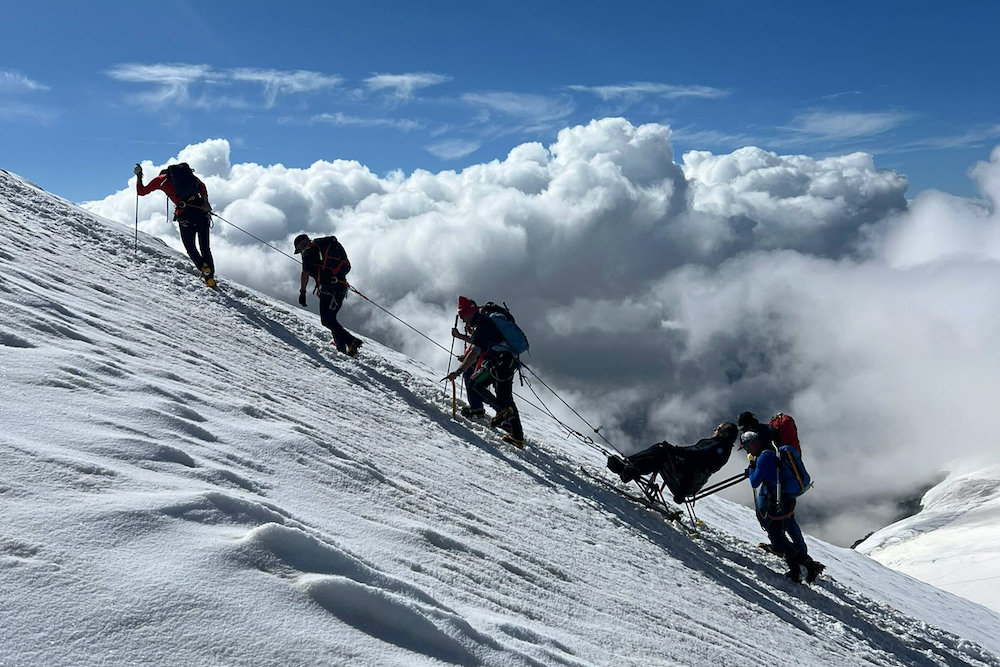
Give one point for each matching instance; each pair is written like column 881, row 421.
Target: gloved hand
column 302, row 298
column 138, row 170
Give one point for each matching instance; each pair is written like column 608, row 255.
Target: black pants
column 330, row 301
column 195, row 227
column 501, row 376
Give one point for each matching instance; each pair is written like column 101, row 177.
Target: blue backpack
column 792, row 473
column 515, row 341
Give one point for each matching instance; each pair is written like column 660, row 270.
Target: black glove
column 302, row 298
column 138, row 170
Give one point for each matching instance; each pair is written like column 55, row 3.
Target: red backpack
column 785, row 431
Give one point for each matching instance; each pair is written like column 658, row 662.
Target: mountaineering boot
column 794, row 575
column 511, row 440
column 206, row 270
column 623, row 469
column 352, row 348
column 501, row 418
column 769, row 548
column 473, row 413
column 813, row 570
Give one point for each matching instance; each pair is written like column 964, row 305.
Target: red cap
column 466, row 307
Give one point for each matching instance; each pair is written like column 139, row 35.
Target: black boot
column 813, row 570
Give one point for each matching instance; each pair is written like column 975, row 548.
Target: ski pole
column 454, row 400
column 135, row 250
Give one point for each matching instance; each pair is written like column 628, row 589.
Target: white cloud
column 278, row 82
column 535, row 108
column 402, row 87
column 664, row 297
column 793, row 201
column 15, row 105
column 174, row 83
column 846, row 92
column 453, row 149
column 977, row 136
column 833, row 125
column 346, row 120
column 15, row 82
column 640, row 89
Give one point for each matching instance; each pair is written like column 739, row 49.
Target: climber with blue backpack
column 781, row 478
column 491, row 360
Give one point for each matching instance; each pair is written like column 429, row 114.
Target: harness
column 334, row 271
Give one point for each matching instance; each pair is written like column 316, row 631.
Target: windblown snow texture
column 195, row 477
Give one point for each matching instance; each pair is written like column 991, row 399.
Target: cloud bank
column 662, row 295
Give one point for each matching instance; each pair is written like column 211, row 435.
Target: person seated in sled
column 684, row 469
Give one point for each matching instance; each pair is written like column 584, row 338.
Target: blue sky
column 87, row 92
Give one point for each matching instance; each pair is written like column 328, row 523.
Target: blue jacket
column 765, row 473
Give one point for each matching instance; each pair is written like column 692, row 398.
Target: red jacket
column 163, row 183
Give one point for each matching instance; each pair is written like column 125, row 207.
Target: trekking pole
column 451, row 355
column 454, row 400
column 135, row 250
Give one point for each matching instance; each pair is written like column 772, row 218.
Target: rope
column 579, row 416
column 349, row 286
column 544, row 408
column 401, row 321
column 570, row 431
column 213, row 214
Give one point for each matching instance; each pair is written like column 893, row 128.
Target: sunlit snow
column 193, row 477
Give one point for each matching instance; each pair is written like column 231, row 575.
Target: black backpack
column 333, row 257
column 185, row 184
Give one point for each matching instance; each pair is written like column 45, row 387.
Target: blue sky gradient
column 87, row 92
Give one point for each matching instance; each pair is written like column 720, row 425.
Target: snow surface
column 195, row 477
column 954, row 542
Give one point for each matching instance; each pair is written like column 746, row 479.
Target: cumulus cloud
column 662, row 295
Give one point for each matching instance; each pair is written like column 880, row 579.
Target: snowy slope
column 954, row 542
column 194, row 478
